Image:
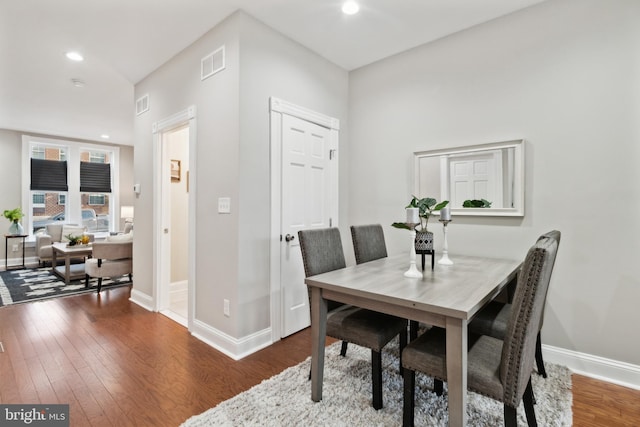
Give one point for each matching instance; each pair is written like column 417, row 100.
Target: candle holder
column 445, row 246
column 413, row 271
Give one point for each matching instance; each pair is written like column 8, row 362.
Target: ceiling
column 125, row 40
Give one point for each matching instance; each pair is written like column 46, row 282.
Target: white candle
column 412, row 216
column 445, row 214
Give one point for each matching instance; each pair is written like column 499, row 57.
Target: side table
column 6, row 250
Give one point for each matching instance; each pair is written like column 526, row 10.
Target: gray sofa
column 54, row 233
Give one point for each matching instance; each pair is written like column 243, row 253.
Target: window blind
column 49, row 175
column 95, row 177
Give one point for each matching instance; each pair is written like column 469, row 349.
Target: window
column 96, row 199
column 38, row 153
column 38, row 200
column 97, row 157
column 71, row 182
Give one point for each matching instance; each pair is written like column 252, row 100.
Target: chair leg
column 528, row 401
column 438, row 386
column 86, row 280
column 539, row 361
column 99, row 284
column 343, row 349
column 376, row 378
column 402, row 345
column 413, row 330
column 409, row 397
column 510, row 416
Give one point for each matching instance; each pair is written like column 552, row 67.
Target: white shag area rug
column 285, row 399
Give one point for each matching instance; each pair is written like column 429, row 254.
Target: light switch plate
column 224, row 205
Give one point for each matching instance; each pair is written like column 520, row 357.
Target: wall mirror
column 489, row 177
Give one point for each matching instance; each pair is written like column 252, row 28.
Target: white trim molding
column 235, row 348
column 609, row 370
column 143, row 300
column 278, row 107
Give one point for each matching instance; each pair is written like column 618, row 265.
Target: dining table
column 447, row 296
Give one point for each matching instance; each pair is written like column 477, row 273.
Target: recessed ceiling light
column 75, row 56
column 350, row 8
column 77, row 82
column 104, row 136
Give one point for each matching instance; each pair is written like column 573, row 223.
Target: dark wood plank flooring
column 117, row 364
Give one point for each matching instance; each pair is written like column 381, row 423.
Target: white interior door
column 475, row 177
column 306, row 199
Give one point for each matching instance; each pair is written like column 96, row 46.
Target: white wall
column 11, row 179
column 564, row 75
column 173, row 88
column 273, row 65
column 232, row 157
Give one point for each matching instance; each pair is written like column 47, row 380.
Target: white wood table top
column 457, row 290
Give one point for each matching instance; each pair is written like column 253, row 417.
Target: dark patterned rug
column 33, row 284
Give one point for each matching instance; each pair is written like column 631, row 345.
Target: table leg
column 67, row 269
column 318, row 338
column 457, row 371
column 54, row 260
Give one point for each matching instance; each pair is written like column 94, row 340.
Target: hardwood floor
column 117, row 364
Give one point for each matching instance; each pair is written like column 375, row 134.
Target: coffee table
column 69, row 271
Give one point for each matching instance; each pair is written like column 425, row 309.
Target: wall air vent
column 142, row 104
column 212, row 63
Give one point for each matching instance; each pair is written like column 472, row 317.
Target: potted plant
column 14, row 215
column 482, row 203
column 426, row 206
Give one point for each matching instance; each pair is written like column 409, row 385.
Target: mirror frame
column 519, row 184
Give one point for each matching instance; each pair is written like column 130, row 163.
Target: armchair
column 110, row 259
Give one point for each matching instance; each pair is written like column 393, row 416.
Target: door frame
column 161, row 242
column 278, row 107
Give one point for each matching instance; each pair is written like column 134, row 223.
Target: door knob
column 289, row 237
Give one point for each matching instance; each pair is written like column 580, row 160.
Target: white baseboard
column 29, row 262
column 235, row 348
column 613, row 371
column 175, row 317
column 143, row 300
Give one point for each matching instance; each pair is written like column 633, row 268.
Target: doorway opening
column 174, row 213
column 177, row 150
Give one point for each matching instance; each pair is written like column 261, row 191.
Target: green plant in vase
column 14, row 215
column 73, row 240
column 426, row 206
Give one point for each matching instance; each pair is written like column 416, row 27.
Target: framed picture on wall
column 175, row 170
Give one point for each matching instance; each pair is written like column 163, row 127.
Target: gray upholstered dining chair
column 492, row 320
column 322, row 252
column 499, row 369
column 368, row 242
column 368, row 245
